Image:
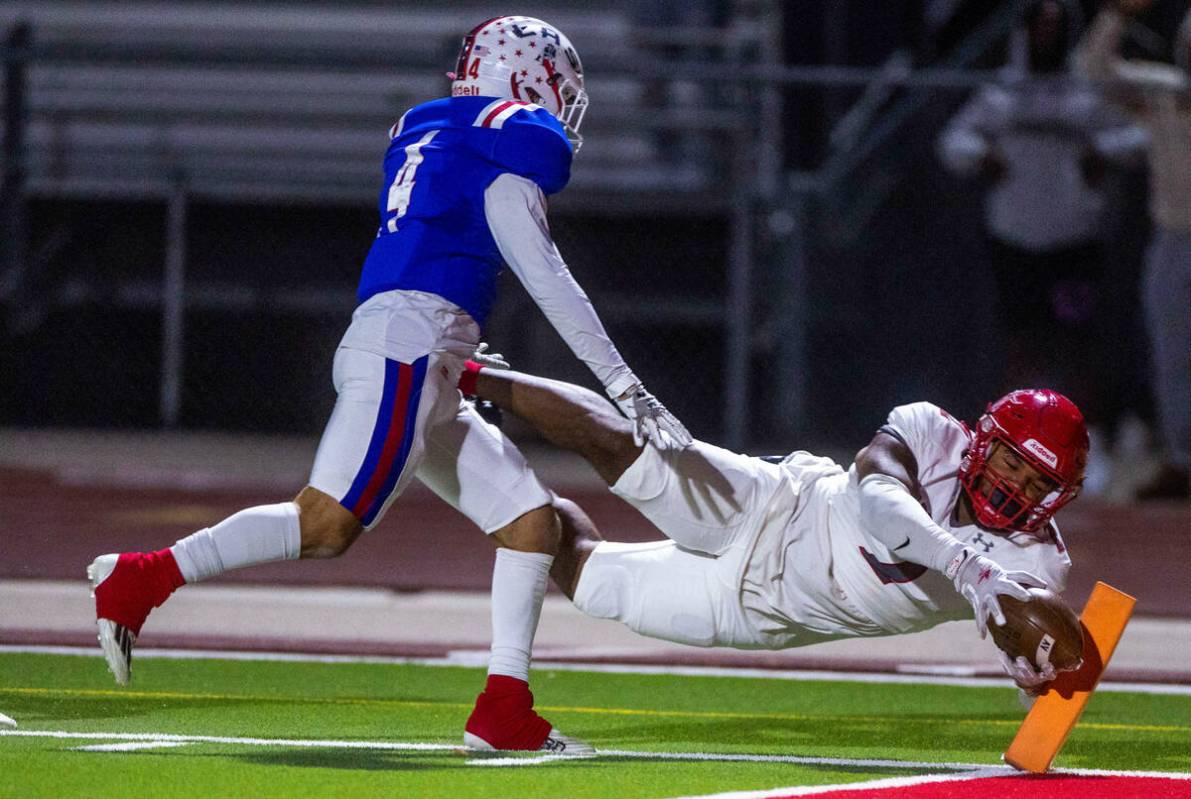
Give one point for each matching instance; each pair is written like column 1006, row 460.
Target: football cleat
column 504, row 720
column 126, row 587
column 556, row 743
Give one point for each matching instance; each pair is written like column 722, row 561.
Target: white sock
column 518, row 586
column 255, row 535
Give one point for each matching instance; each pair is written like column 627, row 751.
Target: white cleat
column 555, row 744
column 7, row 721
column 115, row 639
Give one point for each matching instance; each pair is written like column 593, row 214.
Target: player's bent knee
column 604, row 591
column 328, row 529
column 578, row 539
column 537, row 530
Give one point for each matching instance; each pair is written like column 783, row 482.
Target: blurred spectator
column 678, row 31
column 1045, row 142
column 1161, row 95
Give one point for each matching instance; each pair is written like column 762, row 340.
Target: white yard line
column 131, row 746
column 169, row 738
column 145, row 740
column 722, row 757
column 466, row 659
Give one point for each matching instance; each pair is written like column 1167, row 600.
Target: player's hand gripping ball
column 1042, row 630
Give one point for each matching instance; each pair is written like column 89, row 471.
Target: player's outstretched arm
column 890, row 513
column 516, row 213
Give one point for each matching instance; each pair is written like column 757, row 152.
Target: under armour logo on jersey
column 986, row 543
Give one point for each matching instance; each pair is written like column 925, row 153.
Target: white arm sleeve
column 891, row 515
column 516, row 214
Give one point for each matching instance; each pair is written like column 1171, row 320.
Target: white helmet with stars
column 523, row 58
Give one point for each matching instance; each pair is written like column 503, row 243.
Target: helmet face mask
column 1041, row 430
column 522, row 58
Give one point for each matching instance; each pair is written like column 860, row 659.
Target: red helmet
column 1045, row 430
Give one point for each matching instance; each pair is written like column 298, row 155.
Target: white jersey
column 817, row 574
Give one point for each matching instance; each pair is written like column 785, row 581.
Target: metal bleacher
column 252, row 101
column 181, row 103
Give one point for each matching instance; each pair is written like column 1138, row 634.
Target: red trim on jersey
column 497, row 111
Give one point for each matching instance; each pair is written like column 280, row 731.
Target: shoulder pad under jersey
column 531, row 143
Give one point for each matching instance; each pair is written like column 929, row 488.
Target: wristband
column 467, row 380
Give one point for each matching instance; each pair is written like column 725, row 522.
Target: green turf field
column 302, row 709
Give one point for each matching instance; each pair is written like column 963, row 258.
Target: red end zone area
column 1051, row 786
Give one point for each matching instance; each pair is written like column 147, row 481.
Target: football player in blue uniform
column 465, row 182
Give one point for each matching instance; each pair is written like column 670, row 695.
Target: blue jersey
column 434, row 236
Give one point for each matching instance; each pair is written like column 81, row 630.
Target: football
column 1043, row 629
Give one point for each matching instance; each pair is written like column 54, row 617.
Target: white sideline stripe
column 466, row 658
column 968, row 769
column 130, row 746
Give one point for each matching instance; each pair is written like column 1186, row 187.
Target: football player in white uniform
column 932, row 522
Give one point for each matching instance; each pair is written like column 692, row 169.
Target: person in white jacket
column 1044, row 141
column 1160, row 95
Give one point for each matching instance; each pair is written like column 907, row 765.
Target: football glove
column 489, row 360
column 649, row 417
column 980, row 580
column 1030, row 680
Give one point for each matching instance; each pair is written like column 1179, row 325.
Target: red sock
column 154, row 576
column 167, row 576
column 504, row 715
